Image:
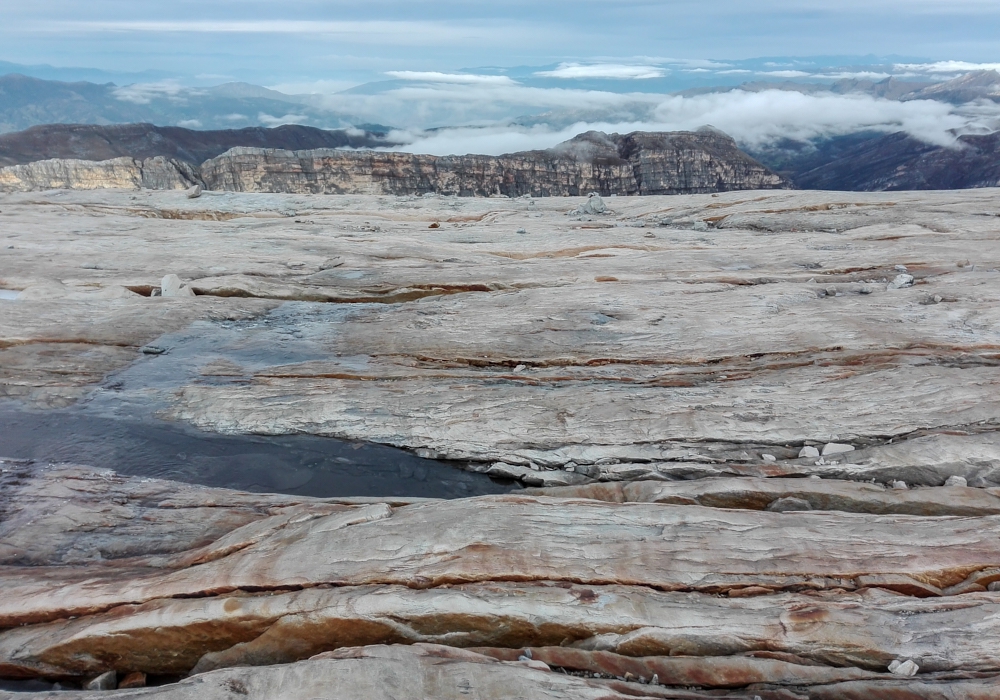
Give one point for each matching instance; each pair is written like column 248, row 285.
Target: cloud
column 616, row 71
column 235, row 117
column 753, row 119
column 145, row 93
column 397, row 33
column 190, row 124
column 455, row 78
column 268, row 120
column 947, row 67
column 787, row 74
column 313, row 87
column 857, row 75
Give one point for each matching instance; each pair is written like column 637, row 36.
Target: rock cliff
column 634, row 164
column 157, row 173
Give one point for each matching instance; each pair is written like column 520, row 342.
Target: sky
column 520, row 74
column 346, row 43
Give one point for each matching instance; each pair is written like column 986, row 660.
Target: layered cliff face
column 633, row 164
column 157, row 173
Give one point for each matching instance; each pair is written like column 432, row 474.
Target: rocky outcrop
column 794, row 494
column 108, row 573
column 633, row 164
column 682, row 365
column 157, row 173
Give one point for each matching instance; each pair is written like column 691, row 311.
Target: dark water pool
column 301, row 465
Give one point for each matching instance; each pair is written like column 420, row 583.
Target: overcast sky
column 350, row 42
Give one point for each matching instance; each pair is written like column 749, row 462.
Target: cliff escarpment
column 157, row 173
column 633, row 164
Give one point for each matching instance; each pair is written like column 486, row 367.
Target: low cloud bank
column 500, row 115
column 614, row 71
column 753, row 119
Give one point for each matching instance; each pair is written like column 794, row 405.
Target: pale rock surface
column 833, row 448
column 171, row 286
column 817, row 494
column 105, row 681
column 479, row 539
column 900, row 281
column 903, row 667
column 385, row 673
column 668, row 358
column 158, row 173
column 584, row 352
column 177, row 560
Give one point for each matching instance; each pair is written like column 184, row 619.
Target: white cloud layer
column 753, row 119
column 453, row 78
column 615, row 71
column 786, row 74
column 144, row 93
column 269, row 120
column 399, row 33
column 947, row 67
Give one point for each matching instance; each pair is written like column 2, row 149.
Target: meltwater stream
column 296, row 464
column 117, row 426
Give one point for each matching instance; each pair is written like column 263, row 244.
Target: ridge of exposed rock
column 669, row 547
column 817, row 494
column 639, row 163
column 158, row 173
column 608, row 618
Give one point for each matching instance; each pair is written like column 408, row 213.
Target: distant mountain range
column 869, row 162
column 141, row 141
column 976, row 85
column 42, row 119
column 859, row 162
column 26, row 102
column 31, row 100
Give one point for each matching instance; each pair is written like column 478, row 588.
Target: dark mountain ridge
column 141, row 141
column 27, row 101
column 901, row 162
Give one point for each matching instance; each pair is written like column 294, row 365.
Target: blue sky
column 347, row 43
column 528, row 73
